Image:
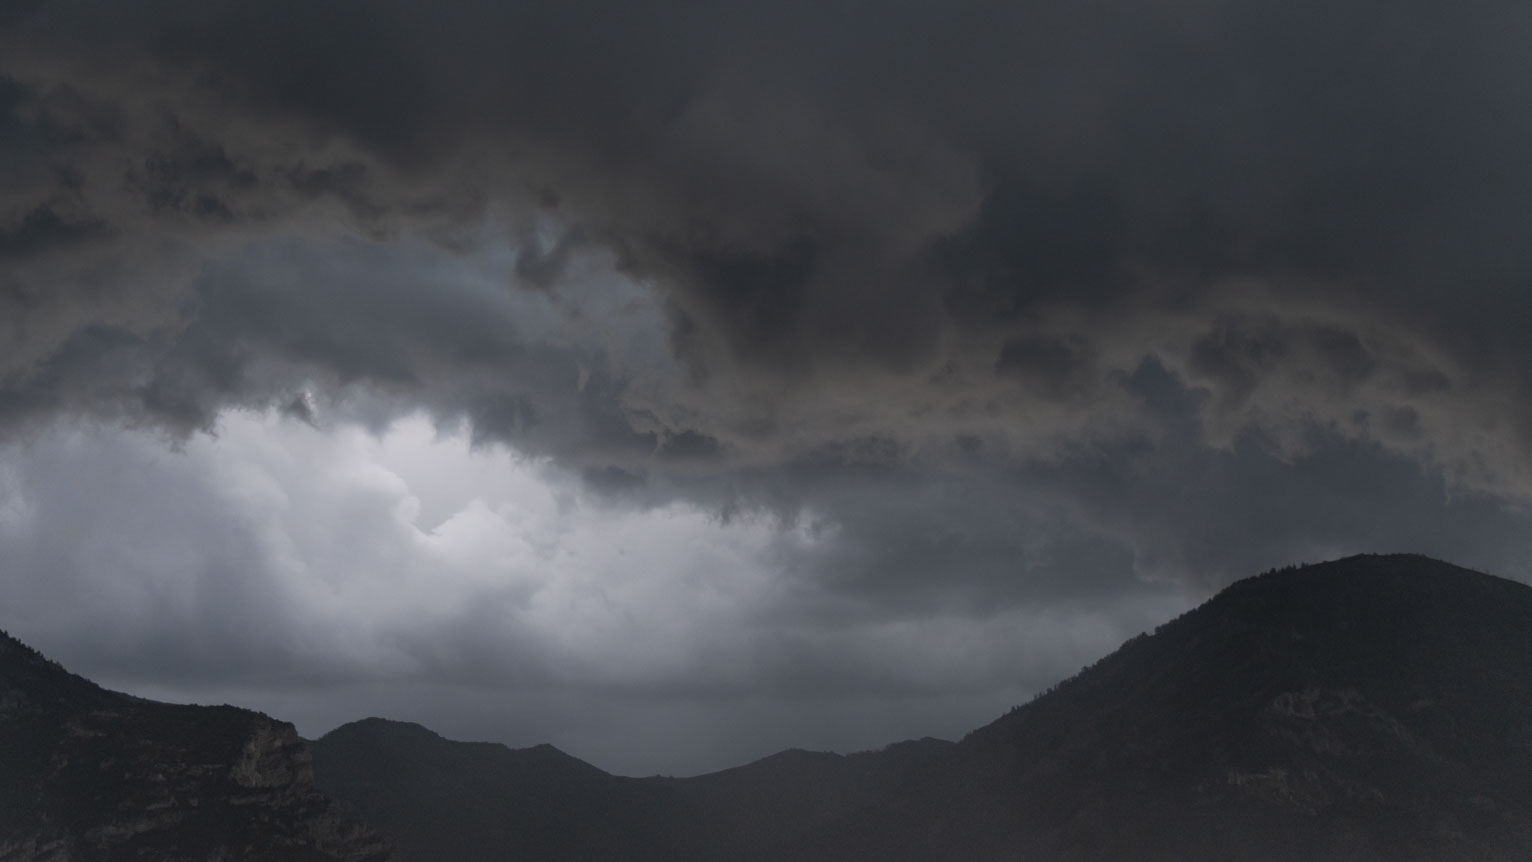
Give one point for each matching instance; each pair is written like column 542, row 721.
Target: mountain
column 1371, row 708
column 90, row 774
column 482, row 801
column 465, row 801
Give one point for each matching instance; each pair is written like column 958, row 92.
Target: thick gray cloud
column 821, row 192
column 1006, row 308
column 325, row 574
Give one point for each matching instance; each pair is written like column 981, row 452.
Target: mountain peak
column 1370, row 708
column 1377, row 693
column 374, row 727
column 1395, row 565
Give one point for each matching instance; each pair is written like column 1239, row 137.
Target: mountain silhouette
column 1371, row 708
column 89, row 774
column 475, row 800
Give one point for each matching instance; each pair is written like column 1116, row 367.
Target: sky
column 681, row 382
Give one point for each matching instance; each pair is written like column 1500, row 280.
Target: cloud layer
column 977, row 215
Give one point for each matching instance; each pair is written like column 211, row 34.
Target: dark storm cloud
column 879, row 233
column 826, row 189
column 1179, row 508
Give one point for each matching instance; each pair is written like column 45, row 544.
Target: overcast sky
column 680, row 382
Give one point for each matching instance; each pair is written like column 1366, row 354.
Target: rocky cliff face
column 89, row 774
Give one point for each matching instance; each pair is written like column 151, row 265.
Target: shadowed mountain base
column 1372, row 708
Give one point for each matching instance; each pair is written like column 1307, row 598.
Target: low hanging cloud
column 277, row 562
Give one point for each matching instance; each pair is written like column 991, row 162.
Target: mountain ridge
column 1291, row 693
column 1376, row 707
column 1317, row 711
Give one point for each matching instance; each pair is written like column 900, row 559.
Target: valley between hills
column 1370, row 708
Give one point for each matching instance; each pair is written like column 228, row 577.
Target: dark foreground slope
column 90, row 774
column 1373, row 708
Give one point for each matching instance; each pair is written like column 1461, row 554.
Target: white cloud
column 295, row 568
